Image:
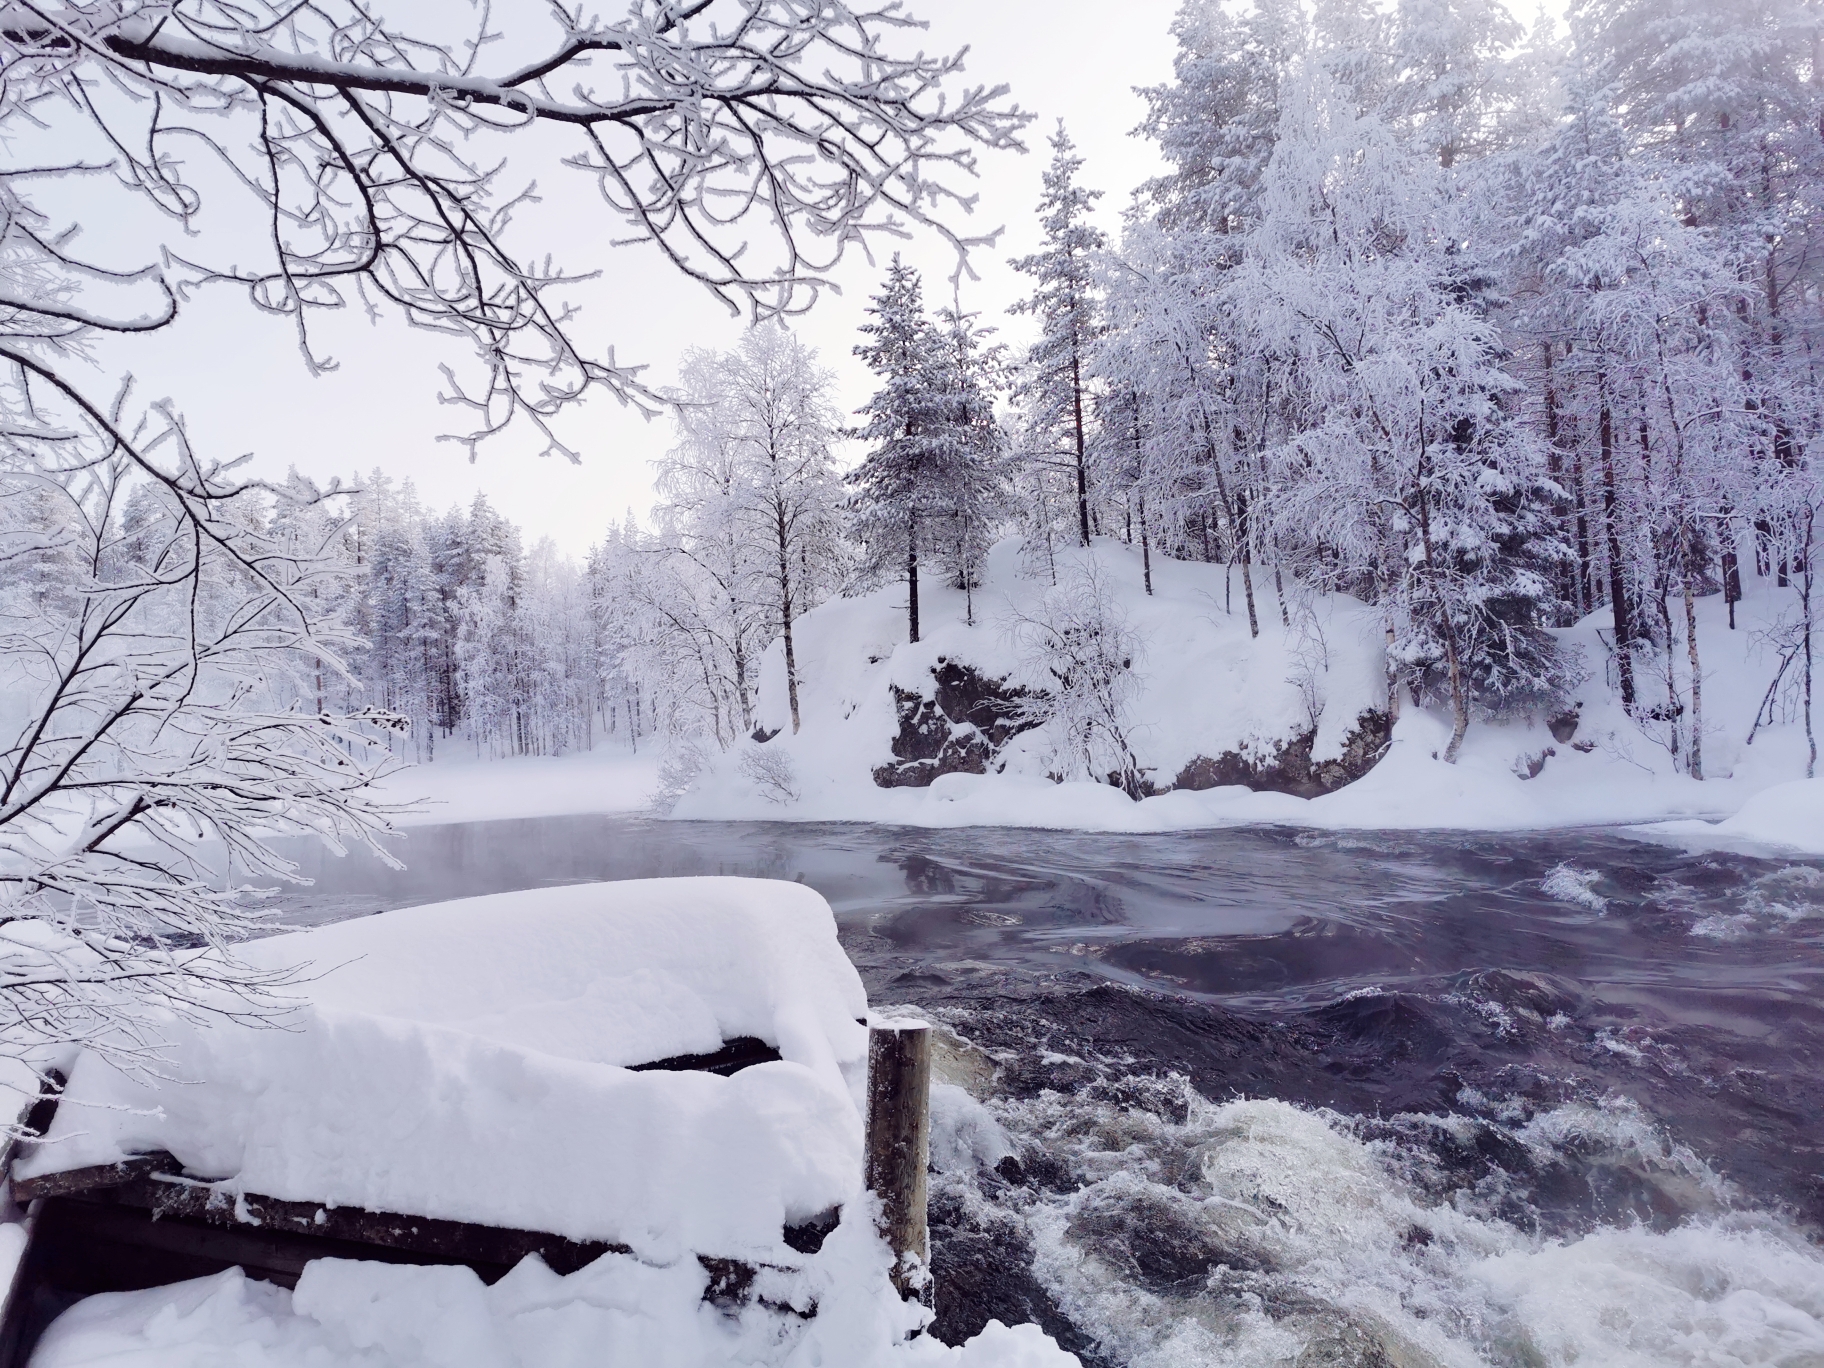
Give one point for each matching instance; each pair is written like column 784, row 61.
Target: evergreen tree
column 1064, row 301
column 900, row 485
column 975, row 462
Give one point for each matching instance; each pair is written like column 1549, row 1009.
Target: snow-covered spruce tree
column 402, row 619
column 1456, row 89
column 1054, row 389
column 977, row 458
column 1217, row 120
column 901, row 487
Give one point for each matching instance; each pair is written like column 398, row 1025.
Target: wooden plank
column 443, row 1240
column 93, row 1178
column 899, row 1147
column 153, row 1183
column 34, row 1119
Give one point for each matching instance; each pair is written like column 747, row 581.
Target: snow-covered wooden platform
column 662, row 1069
column 476, row 1061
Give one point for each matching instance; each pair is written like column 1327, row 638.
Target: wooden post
column 899, row 1147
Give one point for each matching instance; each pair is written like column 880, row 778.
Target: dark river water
column 1269, row 1097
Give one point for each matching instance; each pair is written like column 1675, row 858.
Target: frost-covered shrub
column 1079, row 643
column 772, row 773
column 684, row 759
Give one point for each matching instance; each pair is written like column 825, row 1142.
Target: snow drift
column 468, row 1060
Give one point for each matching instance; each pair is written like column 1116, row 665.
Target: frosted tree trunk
column 1697, row 682
column 1805, row 586
column 1459, row 698
column 1237, row 539
column 785, row 611
column 912, row 576
column 1618, row 595
column 1146, row 549
column 1076, row 402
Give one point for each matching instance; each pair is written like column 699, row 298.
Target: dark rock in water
column 1544, row 995
column 1287, row 766
column 981, row 1267
column 1398, row 1026
column 1339, row 1343
column 959, row 730
column 1162, row 1245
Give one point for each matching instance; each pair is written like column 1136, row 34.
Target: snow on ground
column 462, row 788
column 618, row 1310
column 1208, row 687
column 1784, row 819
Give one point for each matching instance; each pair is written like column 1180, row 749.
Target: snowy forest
column 1491, row 328
column 1214, row 765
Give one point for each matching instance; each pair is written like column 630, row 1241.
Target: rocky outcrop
column 1287, row 767
column 959, row 730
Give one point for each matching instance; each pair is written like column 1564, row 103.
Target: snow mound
column 1784, row 819
column 466, row 1060
column 371, row 1315
column 1786, row 815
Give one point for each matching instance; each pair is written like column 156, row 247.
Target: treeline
column 1490, row 329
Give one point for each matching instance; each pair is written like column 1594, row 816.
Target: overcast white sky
column 243, row 387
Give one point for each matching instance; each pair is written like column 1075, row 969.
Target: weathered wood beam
column 93, row 1177
column 154, row 1183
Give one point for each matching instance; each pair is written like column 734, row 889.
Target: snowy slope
column 1207, row 687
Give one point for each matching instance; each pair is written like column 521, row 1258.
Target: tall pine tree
column 899, row 487
column 1064, row 301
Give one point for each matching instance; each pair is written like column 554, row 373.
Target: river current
column 1274, row 1097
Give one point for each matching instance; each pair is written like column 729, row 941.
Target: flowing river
column 1271, row 1097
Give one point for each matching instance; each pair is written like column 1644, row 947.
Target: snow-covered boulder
column 468, row 1060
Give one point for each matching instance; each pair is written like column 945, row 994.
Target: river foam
column 1255, row 1232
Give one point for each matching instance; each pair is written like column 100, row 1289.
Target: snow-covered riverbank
column 1204, row 687
column 1206, row 694
column 466, row 789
